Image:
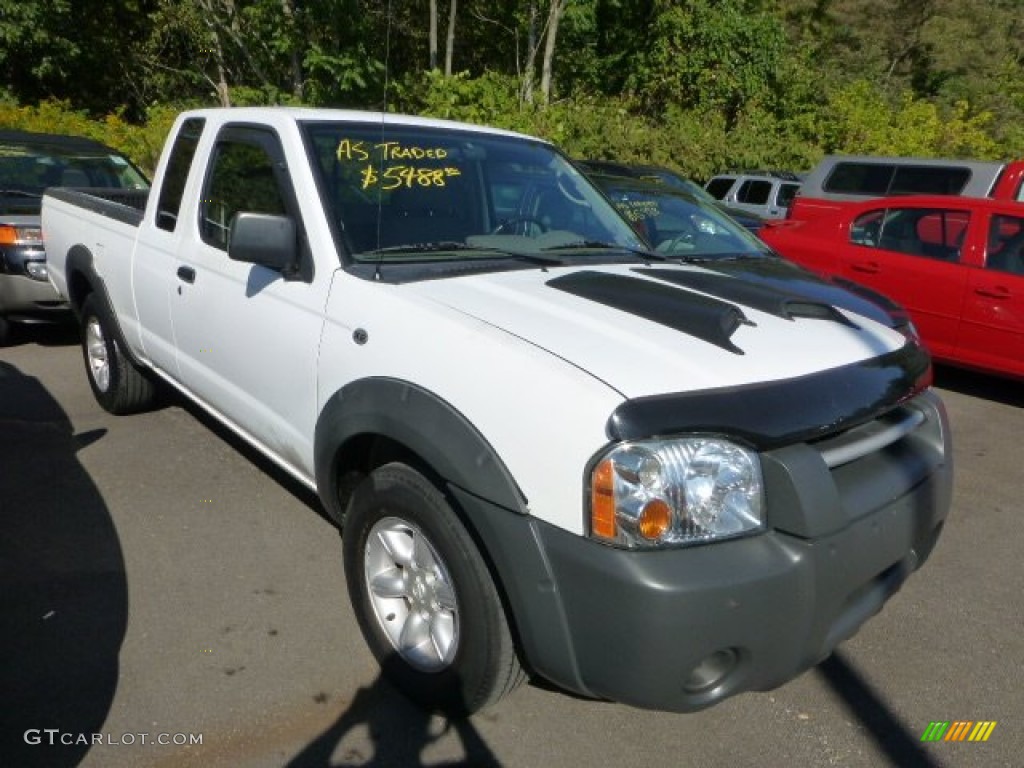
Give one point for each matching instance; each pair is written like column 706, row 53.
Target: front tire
column 116, row 383
column 424, row 597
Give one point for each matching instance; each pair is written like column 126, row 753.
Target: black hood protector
column 699, row 316
column 763, row 296
column 776, row 413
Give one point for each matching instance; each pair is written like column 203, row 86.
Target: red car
column 955, row 263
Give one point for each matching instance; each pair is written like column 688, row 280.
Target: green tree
column 71, row 48
column 715, row 54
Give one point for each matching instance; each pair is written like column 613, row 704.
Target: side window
column 899, row 232
column 928, row 180
column 175, row 176
column 1005, row 248
column 241, row 178
column 866, row 228
column 718, row 187
column 786, row 194
column 754, row 192
column 859, row 179
column 928, row 232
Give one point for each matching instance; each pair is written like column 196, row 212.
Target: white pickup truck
column 551, row 445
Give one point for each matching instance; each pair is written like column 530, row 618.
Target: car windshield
column 682, row 183
column 678, row 225
column 28, row 167
column 411, row 193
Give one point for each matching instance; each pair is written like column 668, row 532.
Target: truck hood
column 667, row 328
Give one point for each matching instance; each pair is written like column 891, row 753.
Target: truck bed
column 125, row 205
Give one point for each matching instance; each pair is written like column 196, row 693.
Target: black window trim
column 267, row 138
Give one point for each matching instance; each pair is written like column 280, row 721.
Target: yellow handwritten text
column 638, row 210
column 395, row 176
column 388, row 151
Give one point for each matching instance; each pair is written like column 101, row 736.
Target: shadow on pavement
column 901, row 746
column 399, row 732
column 65, row 599
column 59, row 334
column 986, row 386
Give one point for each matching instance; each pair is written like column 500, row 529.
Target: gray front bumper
column 683, row 629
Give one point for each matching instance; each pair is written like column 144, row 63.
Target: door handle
column 187, row 274
column 868, row 267
column 993, row 293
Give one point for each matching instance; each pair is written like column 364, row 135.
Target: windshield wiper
column 444, row 245
column 19, row 193
column 700, row 259
column 643, row 253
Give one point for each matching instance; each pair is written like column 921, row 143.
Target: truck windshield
column 411, row 193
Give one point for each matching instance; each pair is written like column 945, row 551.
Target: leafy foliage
column 699, row 86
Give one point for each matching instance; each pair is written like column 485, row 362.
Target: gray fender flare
column 423, row 423
column 80, row 262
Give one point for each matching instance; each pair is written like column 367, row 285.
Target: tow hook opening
column 712, row 671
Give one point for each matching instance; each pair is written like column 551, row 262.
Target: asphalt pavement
column 170, row 599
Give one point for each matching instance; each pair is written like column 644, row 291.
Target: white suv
column 768, row 194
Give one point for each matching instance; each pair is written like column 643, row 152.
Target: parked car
column 750, row 221
column 676, row 223
column 29, row 163
column 842, row 179
column 765, row 193
column 955, row 263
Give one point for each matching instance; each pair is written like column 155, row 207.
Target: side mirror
column 265, row 239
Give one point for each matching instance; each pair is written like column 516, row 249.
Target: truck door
column 992, row 331
column 247, row 337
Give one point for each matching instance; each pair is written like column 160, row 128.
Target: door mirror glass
column 263, row 238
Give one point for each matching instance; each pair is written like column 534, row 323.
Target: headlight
column 674, row 492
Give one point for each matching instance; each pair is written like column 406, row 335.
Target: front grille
column 820, row 487
column 868, row 438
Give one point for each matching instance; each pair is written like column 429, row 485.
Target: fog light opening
column 711, row 671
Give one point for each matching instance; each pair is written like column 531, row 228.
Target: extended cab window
column 928, row 232
column 241, row 178
column 176, row 174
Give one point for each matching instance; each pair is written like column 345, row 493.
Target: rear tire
column 116, row 383
column 424, row 597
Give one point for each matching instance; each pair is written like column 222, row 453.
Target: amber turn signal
column 655, row 520
column 602, row 501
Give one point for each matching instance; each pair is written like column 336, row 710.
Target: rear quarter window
column 178, row 165
column 719, row 188
column 786, row 194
